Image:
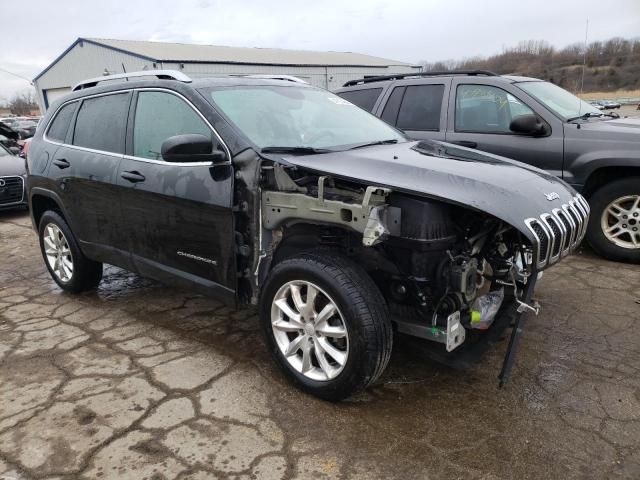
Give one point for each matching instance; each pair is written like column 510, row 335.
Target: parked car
column 12, row 180
column 597, row 104
column 25, row 128
column 9, row 138
column 609, row 104
column 25, row 148
column 8, row 120
column 532, row 121
column 278, row 194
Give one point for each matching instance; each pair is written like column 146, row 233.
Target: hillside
column 610, row 66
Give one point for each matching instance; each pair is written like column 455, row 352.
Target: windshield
column 558, row 100
column 286, row 116
column 4, row 152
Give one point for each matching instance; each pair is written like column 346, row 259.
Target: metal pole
column 584, row 55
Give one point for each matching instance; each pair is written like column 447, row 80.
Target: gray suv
column 530, row 120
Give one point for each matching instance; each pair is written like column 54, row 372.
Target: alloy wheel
column 310, row 330
column 620, row 222
column 58, row 253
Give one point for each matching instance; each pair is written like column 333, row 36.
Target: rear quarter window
column 101, row 121
column 60, row 124
column 364, row 98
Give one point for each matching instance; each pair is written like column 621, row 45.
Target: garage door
column 53, row 94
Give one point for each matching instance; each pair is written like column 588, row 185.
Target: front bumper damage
column 469, row 348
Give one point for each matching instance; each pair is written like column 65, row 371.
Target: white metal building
column 93, row 57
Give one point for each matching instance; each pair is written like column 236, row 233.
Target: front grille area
column 560, row 231
column 12, row 191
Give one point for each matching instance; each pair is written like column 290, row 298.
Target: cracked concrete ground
column 142, row 381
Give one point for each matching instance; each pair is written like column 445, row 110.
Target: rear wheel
column 68, row 267
column 326, row 324
column 614, row 225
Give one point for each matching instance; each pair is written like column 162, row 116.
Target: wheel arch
column 40, row 201
column 303, row 237
column 607, row 174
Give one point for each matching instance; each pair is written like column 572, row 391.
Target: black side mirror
column 529, row 125
column 190, row 147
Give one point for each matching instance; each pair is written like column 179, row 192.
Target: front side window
column 101, row 121
column 486, row 109
column 60, row 125
column 365, row 98
column 295, row 116
column 160, row 115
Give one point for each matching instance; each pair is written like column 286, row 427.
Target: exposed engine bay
column 444, row 269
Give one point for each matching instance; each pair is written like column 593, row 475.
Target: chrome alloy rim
column 58, row 253
column 620, row 222
column 310, row 330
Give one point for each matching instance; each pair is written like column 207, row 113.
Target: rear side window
column 420, row 108
column 60, row 124
column 101, row 123
column 390, row 112
column 365, row 99
column 161, row 115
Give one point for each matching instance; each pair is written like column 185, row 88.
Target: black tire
column 599, row 202
column 365, row 315
column 86, row 273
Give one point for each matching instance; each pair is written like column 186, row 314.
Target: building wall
column 87, row 60
column 324, row 77
column 83, row 61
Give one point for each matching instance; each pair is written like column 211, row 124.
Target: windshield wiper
column 294, row 150
column 584, row 116
column 379, row 142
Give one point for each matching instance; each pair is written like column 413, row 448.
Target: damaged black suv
column 273, row 193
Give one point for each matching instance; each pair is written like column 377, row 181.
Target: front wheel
column 67, row 265
column 614, row 225
column 326, row 324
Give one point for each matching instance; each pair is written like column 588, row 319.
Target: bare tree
column 618, row 57
column 23, row 103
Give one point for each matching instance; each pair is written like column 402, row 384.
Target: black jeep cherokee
column 278, row 194
column 532, row 121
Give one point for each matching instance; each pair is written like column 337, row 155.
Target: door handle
column 466, row 143
column 61, row 163
column 133, row 177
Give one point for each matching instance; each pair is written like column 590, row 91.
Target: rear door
column 177, row 217
column 86, row 168
column 417, row 107
column 480, row 115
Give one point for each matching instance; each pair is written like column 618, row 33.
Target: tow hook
column 525, row 307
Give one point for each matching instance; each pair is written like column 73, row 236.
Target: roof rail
column 160, row 74
column 400, row 76
column 288, row 78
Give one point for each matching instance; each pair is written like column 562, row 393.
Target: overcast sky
column 406, row 30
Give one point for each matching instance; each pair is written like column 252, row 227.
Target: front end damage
column 452, row 275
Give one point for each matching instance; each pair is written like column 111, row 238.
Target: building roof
column 182, row 52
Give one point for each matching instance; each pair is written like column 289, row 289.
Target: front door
column 480, row 116
column 177, row 217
